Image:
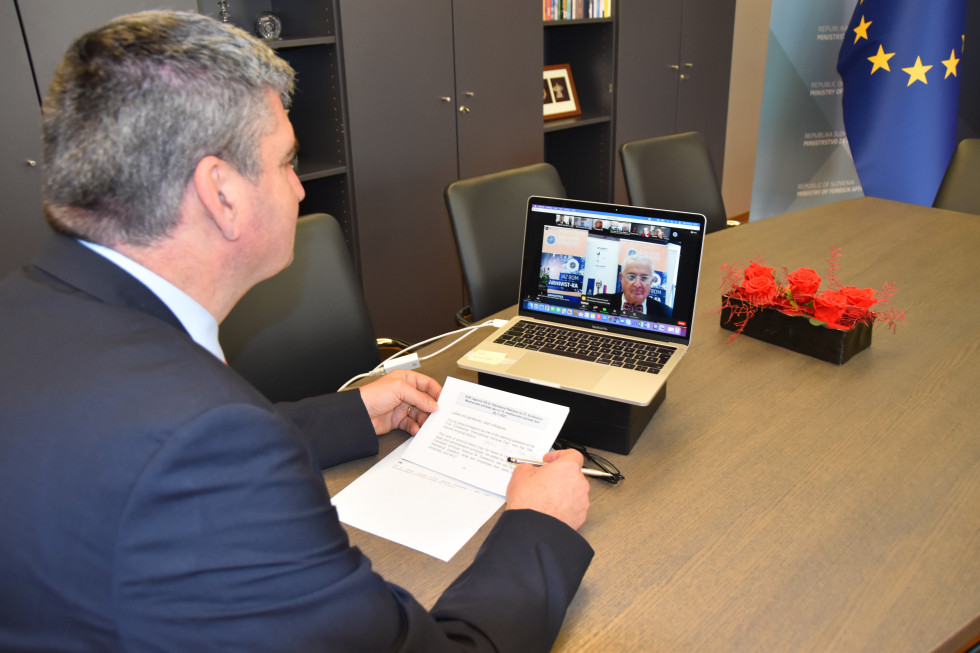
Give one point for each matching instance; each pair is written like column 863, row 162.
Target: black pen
column 537, row 463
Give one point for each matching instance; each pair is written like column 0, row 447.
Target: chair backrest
column 674, row 172
column 307, row 330
column 959, row 189
column 487, row 218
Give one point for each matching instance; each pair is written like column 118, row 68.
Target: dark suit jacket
column 153, row 500
column 654, row 310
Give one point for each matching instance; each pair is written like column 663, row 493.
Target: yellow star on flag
column 917, row 73
column 951, row 64
column 880, row 60
column 862, row 30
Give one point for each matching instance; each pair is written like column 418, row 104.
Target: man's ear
column 214, row 184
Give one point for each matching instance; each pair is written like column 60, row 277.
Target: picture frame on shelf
column 560, row 98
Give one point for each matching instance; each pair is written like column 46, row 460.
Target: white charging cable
column 406, row 359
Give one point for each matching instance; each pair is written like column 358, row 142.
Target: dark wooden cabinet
column 674, row 64
column 34, row 37
column 707, row 30
column 498, row 117
column 436, row 91
column 22, row 227
column 50, row 26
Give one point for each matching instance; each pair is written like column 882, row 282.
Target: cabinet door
column 673, row 72
column 646, row 77
column 706, row 62
column 398, row 65
column 52, row 25
column 22, row 227
column 497, row 47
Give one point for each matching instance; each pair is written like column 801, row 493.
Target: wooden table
column 776, row 502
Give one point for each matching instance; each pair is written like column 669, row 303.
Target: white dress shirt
column 198, row 322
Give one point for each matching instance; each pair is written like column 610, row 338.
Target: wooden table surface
column 776, row 502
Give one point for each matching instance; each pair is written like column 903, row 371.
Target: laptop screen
column 610, row 267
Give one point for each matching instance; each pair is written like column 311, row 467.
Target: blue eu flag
column 900, row 62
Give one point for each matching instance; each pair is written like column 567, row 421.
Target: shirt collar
column 199, row 323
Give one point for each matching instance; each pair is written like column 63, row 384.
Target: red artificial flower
column 859, row 297
column 859, row 302
column 803, row 284
column 756, row 287
column 759, row 289
column 829, row 306
column 755, row 270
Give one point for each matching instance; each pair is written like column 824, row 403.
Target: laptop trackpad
column 566, row 372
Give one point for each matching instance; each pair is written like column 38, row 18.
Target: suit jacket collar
column 77, row 266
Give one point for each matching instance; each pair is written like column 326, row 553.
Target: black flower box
column 795, row 332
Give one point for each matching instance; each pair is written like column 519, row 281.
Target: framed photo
column 560, row 98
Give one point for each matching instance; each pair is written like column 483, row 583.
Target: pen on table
column 537, row 463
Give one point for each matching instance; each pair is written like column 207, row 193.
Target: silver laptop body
column 574, row 267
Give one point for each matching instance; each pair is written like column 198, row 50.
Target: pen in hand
column 537, row 463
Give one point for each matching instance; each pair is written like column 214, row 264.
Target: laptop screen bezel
column 688, row 266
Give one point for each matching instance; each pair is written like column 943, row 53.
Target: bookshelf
column 576, row 9
column 582, row 147
column 309, row 44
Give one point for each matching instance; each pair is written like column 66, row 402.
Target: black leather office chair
column 959, row 189
column 307, row 330
column 487, row 218
column 674, row 172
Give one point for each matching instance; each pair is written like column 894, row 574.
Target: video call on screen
column 582, row 254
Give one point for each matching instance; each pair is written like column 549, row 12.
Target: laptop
column 584, row 268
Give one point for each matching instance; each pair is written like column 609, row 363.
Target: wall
column 745, row 102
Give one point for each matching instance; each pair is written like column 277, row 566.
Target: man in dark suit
column 151, row 498
column 636, row 279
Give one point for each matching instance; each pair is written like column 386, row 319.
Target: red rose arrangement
column 758, row 286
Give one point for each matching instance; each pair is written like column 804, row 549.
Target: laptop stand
column 592, row 421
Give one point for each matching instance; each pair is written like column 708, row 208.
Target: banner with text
column 802, row 158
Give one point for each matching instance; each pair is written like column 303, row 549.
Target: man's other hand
column 558, row 488
column 401, row 399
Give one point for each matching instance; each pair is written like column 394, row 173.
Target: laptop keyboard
column 584, row 345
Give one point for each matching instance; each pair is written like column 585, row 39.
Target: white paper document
column 436, row 490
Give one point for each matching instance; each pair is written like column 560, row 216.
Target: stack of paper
column 436, row 490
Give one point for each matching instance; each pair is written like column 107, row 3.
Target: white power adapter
column 410, row 361
column 406, row 362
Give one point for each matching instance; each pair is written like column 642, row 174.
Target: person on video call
column 151, row 498
column 636, row 279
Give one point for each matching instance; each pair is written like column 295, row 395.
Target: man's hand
column 401, row 399
column 558, row 489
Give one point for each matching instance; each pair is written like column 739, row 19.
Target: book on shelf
column 576, row 9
